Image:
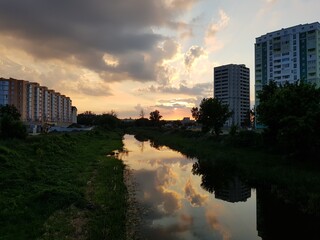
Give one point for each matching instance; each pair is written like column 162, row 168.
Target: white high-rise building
column 232, row 87
column 288, row 55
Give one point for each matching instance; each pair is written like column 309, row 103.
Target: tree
column 107, row 121
column 10, row 124
column 291, row 114
column 141, row 114
column 212, row 114
column 86, row 118
column 155, row 117
column 113, row 113
column 10, row 110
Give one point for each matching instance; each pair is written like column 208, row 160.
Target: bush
column 11, row 128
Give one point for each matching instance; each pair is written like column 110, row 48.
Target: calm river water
column 184, row 200
column 175, row 204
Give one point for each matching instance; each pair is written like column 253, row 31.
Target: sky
column 132, row 55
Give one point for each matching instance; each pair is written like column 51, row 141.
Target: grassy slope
column 62, row 186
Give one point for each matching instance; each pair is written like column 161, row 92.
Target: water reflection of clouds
column 174, row 231
column 167, row 192
column 166, row 176
column 177, row 207
column 154, row 192
column 219, row 228
column 195, row 199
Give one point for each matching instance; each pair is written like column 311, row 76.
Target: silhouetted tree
column 10, row 124
column 86, row 118
column 212, row 114
column 113, row 113
column 291, row 113
column 155, row 117
column 141, row 114
column 106, row 120
column 142, row 122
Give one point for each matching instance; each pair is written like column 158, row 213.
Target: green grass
column 60, row 186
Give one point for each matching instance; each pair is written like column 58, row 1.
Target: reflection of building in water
column 280, row 218
column 234, row 191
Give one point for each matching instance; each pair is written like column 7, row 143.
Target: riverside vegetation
column 62, row 186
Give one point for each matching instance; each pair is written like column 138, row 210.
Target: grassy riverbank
column 295, row 181
column 62, row 186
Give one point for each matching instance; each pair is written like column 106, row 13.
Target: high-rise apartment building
column 288, row 54
column 232, row 87
column 36, row 104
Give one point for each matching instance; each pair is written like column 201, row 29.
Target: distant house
column 186, row 121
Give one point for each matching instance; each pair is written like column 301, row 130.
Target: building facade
column 288, row 55
column 37, row 104
column 14, row 92
column 232, row 87
column 234, row 191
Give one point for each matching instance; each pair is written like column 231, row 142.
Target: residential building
column 232, row 87
column 37, row 104
column 233, row 191
column 14, row 92
column 288, row 55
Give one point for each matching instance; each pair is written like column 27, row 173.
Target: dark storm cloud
column 82, row 32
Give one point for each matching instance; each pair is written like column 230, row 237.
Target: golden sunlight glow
column 110, row 60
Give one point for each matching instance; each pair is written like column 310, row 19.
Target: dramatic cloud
column 112, row 38
column 98, row 89
column 210, row 39
column 176, row 103
column 172, row 106
column 192, row 54
column 200, row 89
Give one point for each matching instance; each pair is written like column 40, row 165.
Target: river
column 179, row 198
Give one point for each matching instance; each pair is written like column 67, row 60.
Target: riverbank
column 293, row 181
column 63, row 186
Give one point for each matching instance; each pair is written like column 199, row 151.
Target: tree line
column 110, row 120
